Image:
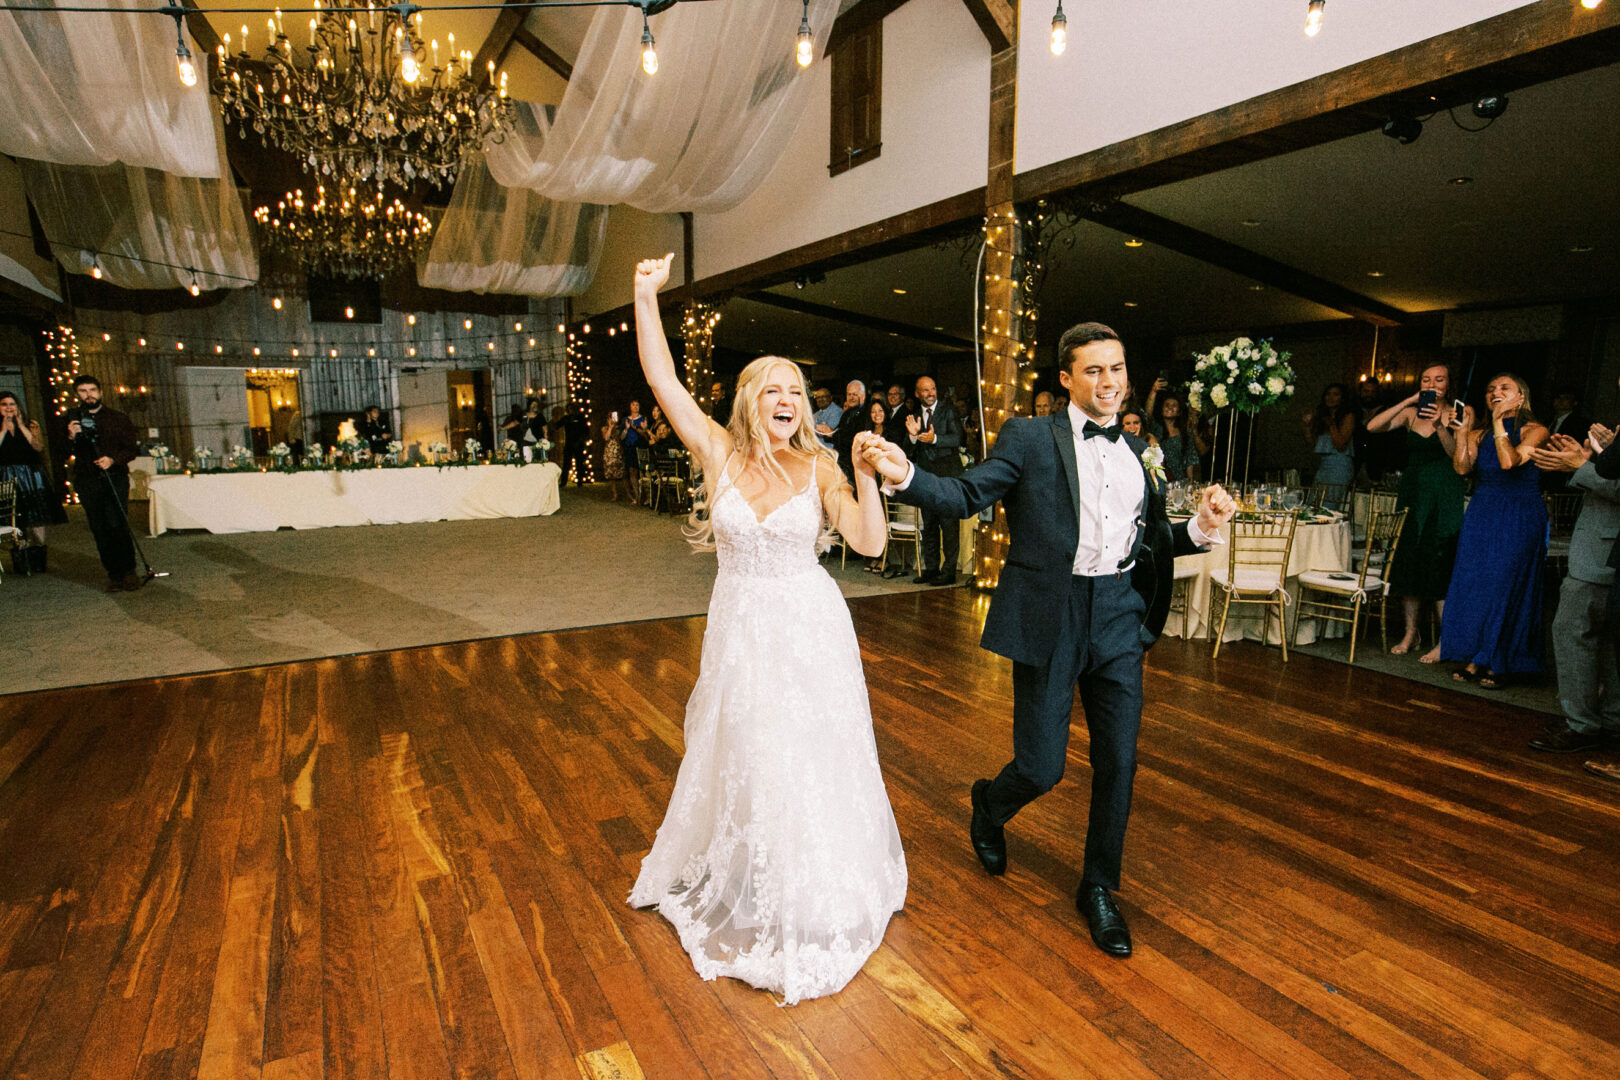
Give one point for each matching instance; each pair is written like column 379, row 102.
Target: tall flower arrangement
column 1245, row 375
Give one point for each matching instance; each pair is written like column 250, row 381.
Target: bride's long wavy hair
column 747, row 431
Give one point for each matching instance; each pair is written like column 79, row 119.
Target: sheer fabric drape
column 698, row 136
column 134, row 214
column 494, row 239
column 85, row 88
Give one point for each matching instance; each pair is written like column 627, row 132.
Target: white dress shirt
column 1113, row 497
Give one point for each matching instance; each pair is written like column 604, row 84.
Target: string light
column 805, row 50
column 649, row 55
column 578, row 377
column 1313, row 17
column 183, row 63
column 1060, row 31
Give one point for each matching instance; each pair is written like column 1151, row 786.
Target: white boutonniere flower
column 1153, row 462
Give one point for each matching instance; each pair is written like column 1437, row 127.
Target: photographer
column 103, row 447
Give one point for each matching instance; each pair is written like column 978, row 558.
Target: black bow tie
column 1093, row 428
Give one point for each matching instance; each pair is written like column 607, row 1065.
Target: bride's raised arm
column 707, row 440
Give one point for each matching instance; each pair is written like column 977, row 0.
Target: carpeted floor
column 261, row 598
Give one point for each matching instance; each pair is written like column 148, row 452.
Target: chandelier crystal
column 363, row 99
column 346, row 235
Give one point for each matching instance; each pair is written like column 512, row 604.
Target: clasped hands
column 872, row 453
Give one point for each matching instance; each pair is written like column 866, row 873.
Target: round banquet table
column 1317, row 546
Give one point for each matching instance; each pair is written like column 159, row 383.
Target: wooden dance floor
column 414, row 864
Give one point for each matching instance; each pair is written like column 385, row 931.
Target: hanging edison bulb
column 1060, row 30
column 183, row 63
column 1313, row 18
column 409, row 69
column 649, row 55
column 805, row 51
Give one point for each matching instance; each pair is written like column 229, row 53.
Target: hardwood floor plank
column 414, row 865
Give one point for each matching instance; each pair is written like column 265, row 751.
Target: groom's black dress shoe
column 989, row 839
column 1108, row 929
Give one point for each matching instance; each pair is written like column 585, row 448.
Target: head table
column 253, row 501
column 1318, row 545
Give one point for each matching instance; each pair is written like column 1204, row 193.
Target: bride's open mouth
column 784, row 417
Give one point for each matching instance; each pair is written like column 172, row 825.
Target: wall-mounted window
column 857, row 98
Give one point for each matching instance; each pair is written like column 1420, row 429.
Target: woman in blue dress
column 1331, row 429
column 1492, row 620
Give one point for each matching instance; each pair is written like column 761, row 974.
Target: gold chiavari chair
column 1346, row 594
column 1256, row 570
column 8, row 515
column 1562, row 509
column 903, row 525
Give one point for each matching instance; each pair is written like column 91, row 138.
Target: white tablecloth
column 1316, row 547
column 264, row 502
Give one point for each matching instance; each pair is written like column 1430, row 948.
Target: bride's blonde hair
column 748, row 435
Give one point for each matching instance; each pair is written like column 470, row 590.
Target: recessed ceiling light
column 941, row 329
column 1133, row 242
column 1580, row 249
column 1460, row 180
column 1375, row 273
column 1130, row 303
column 1249, row 223
column 1257, row 288
column 899, row 292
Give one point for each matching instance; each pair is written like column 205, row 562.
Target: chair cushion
column 1184, row 568
column 1248, row 580
column 1324, row 580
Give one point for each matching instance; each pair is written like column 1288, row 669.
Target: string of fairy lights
column 579, row 394
column 697, row 331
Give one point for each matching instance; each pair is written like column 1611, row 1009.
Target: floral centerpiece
column 202, row 458
column 279, row 454
column 1243, row 376
column 160, row 454
column 471, row 448
column 509, row 449
column 395, row 447
column 356, row 448
column 240, row 458
column 438, row 450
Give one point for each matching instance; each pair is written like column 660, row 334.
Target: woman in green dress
column 1431, row 492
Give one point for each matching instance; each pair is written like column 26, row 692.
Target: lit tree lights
column 579, row 397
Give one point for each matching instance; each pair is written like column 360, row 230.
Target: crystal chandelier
column 364, row 100
column 347, row 236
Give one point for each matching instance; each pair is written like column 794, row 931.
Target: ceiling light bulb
column 805, row 51
column 276, row 303
column 95, row 271
column 183, row 63
column 1060, row 31
column 409, row 70
column 1313, row 18
column 1590, row 5
column 649, row 55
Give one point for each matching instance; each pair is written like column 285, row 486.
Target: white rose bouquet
column 1246, row 375
column 471, row 448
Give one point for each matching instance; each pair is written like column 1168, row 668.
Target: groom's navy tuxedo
column 1062, row 630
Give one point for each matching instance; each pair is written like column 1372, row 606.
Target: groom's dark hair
column 1081, row 335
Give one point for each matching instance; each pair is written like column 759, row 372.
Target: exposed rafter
column 858, row 17
column 499, row 40
column 543, row 52
column 997, row 19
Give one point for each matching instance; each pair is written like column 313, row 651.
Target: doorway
column 468, row 393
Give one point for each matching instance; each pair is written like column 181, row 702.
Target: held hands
column 1215, row 508
column 652, row 275
column 884, row 457
column 1560, row 454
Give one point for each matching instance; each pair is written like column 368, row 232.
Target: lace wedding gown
column 778, row 861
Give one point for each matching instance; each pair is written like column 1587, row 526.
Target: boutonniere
column 1153, row 462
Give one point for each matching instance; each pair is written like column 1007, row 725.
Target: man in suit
column 1584, row 637
column 850, row 422
column 1566, row 420
column 1084, row 592
column 934, row 434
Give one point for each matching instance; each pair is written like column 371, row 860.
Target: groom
column 1084, row 591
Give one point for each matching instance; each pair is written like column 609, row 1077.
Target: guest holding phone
column 1432, row 494
column 1492, row 620
column 613, row 470
column 1331, row 430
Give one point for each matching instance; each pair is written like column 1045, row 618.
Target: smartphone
column 1457, row 412
column 1426, row 400
column 614, row 417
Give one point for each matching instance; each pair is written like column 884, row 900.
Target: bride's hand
column 652, row 275
column 887, row 459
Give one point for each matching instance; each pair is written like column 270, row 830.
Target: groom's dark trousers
column 1099, row 649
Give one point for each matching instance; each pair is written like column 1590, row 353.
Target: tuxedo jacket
column 942, row 457
column 1033, row 471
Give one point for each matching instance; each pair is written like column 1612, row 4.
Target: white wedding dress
column 778, row 861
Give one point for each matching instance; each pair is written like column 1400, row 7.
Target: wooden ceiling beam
column 1522, row 47
column 998, row 21
column 499, row 40
column 859, row 17
column 856, row 318
column 201, row 31
column 543, row 52
column 1145, row 225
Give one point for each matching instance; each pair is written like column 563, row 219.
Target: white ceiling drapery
column 152, row 217
column 99, row 88
column 494, row 239
column 698, row 136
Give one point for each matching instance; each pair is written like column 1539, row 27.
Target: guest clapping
column 660, row 436
column 635, row 439
column 1492, row 619
column 1432, row 495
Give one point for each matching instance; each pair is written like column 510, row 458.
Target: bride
column 778, row 861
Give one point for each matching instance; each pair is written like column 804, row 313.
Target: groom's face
column 1095, row 378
